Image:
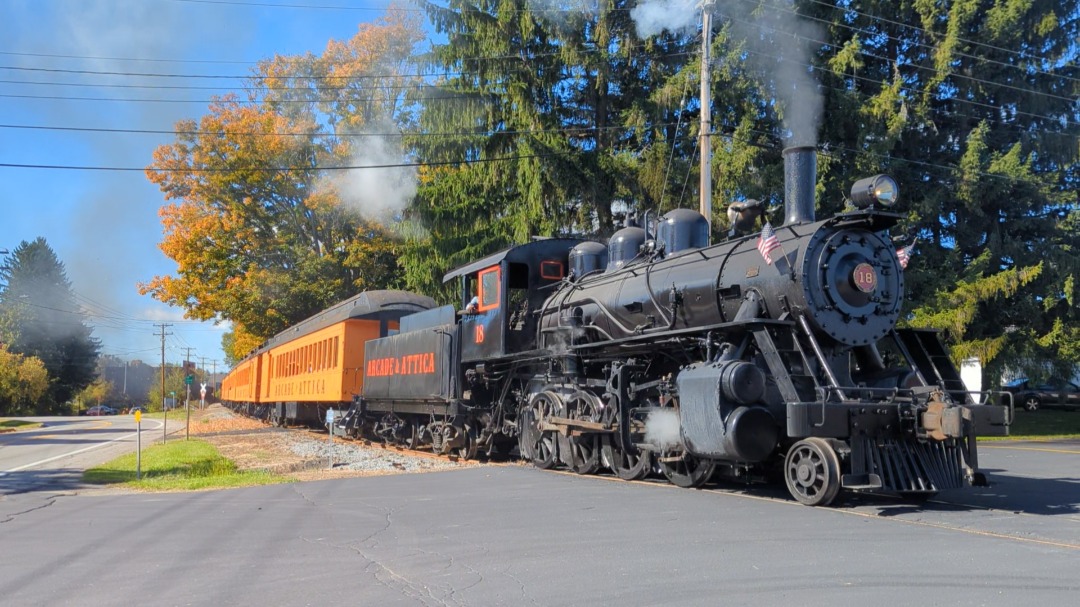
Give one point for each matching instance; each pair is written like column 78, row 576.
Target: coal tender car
column 771, row 354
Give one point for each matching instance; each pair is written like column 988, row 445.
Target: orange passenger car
column 317, row 364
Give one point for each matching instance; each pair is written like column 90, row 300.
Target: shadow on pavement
column 25, row 481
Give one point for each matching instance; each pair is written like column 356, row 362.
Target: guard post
column 330, row 434
column 138, row 445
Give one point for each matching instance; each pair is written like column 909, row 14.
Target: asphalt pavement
column 54, row 456
column 514, row 535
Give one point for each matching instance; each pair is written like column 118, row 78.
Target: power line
column 284, row 169
column 177, row 87
column 96, row 58
column 757, row 24
column 531, row 9
column 569, row 130
column 949, row 73
column 915, row 91
column 53, row 70
column 848, row 8
column 937, row 111
column 381, row 88
column 303, row 6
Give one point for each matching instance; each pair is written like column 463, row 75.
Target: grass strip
column 18, row 424
column 1044, row 424
column 178, row 466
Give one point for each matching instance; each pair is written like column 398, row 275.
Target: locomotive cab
column 509, row 288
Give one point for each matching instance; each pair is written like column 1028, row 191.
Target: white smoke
column 778, row 45
column 662, row 429
column 677, row 16
column 383, row 182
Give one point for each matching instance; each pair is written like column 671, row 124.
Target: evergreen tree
column 40, row 318
column 971, row 106
column 549, row 118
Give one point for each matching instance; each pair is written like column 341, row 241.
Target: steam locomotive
column 770, row 354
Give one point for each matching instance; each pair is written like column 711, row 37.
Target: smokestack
column 800, row 175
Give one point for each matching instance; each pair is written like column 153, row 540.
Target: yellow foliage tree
column 23, row 380
column 95, row 394
column 258, row 218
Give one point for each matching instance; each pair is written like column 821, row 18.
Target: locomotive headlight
column 880, row 189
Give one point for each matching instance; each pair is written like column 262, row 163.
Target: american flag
column 767, row 243
column 904, row 254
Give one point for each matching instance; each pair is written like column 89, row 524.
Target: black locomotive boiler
column 768, row 353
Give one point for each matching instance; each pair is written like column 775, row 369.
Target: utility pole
column 706, row 113
column 188, row 378
column 164, row 432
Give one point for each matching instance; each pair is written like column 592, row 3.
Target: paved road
column 514, row 535
column 54, row 456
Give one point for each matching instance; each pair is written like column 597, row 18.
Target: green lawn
column 178, row 466
column 17, row 424
column 1044, row 424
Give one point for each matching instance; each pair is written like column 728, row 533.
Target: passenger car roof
column 390, row 304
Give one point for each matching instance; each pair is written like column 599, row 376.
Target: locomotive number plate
column 865, row 277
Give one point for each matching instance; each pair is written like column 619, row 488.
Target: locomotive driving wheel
column 545, row 449
column 627, row 462
column 812, row 472
column 686, row 470
column 582, row 450
column 528, row 434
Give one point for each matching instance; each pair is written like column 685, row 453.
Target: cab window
column 551, row 270
column 489, row 289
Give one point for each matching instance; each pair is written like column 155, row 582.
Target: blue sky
column 104, row 225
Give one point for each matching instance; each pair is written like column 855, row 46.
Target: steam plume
column 778, row 44
column 662, row 429
column 386, row 185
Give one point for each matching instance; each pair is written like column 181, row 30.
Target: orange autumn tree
column 261, row 218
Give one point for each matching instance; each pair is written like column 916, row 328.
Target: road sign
column 189, row 379
column 138, row 416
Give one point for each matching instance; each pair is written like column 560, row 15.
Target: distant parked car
column 101, row 410
column 139, row 409
column 1049, row 394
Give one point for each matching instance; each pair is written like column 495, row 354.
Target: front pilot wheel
column 812, row 472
